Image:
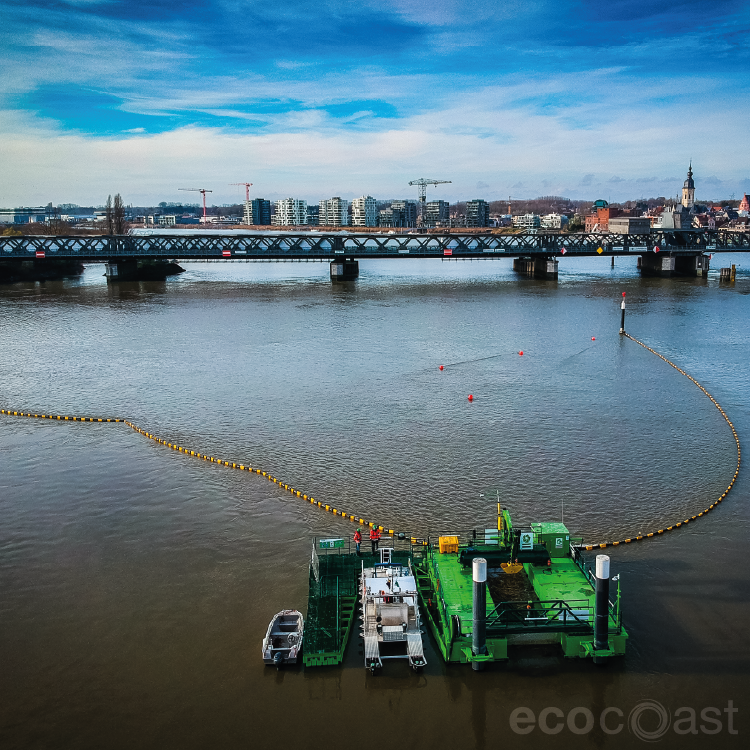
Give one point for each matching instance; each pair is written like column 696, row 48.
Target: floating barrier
column 372, row 524
column 214, row 460
column 679, row 524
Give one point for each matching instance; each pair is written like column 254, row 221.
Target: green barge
column 542, row 593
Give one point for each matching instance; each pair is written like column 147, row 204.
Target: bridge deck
column 321, row 246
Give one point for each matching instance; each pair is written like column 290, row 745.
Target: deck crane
column 422, row 184
column 203, row 192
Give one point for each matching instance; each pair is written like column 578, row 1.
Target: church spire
column 688, row 190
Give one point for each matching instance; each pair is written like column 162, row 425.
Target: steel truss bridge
column 323, row 246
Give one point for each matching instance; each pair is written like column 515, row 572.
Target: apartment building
column 527, row 221
column 365, row 211
column 257, row 211
column 408, row 213
column 554, row 221
column 334, row 212
column 477, row 213
column 436, row 214
column 290, row 212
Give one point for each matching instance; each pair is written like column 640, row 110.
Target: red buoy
column 593, row 338
column 623, row 294
column 471, row 398
column 441, row 367
column 520, row 354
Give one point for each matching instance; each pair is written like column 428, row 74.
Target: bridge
column 663, row 252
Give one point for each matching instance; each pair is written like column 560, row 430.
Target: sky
column 309, row 100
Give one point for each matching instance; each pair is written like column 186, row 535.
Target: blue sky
column 313, row 99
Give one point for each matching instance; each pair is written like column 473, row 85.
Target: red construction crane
column 203, row 192
column 247, row 185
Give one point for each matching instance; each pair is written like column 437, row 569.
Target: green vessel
column 543, row 592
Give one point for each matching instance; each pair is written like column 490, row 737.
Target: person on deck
column 374, row 539
column 358, row 538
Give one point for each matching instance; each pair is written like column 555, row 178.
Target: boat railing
column 586, row 566
column 469, row 537
column 542, row 615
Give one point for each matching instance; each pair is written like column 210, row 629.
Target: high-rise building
column 408, row 210
column 334, row 212
column 365, row 211
column 257, row 211
column 313, row 216
column 477, row 213
column 688, row 190
column 290, row 212
column 436, row 214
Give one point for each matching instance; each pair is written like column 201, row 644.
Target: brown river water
column 136, row 584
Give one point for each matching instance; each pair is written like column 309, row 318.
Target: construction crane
column 422, row 184
column 247, row 185
column 203, row 192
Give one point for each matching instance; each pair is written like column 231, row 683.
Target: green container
column 554, row 536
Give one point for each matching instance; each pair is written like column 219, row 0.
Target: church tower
column 688, row 190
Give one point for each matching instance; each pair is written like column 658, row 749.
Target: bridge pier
column 656, row 264
column 538, row 267
column 131, row 269
column 344, row 269
column 121, row 269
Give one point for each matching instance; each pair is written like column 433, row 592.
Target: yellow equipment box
column 448, row 544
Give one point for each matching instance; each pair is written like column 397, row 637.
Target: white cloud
column 492, row 135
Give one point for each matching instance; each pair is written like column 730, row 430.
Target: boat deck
column 456, row 587
column 541, row 604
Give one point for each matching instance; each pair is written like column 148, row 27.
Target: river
column 136, row 583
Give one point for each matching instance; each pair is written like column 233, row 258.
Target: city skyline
column 580, row 100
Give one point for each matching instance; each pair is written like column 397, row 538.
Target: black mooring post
column 601, row 607
column 479, row 634
column 622, row 317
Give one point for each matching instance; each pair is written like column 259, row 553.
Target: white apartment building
column 527, row 221
column 554, row 221
column 290, row 212
column 365, row 211
column 334, row 212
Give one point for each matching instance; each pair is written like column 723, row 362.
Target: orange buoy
column 471, row 398
column 441, row 367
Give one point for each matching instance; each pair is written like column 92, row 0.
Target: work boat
column 283, row 640
column 391, row 626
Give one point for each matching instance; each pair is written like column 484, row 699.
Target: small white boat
column 283, row 641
